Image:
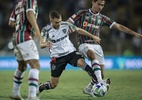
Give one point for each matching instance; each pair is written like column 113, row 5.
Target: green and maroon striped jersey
column 23, row 29
column 90, row 22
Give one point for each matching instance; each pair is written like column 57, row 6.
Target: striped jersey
column 90, row 22
column 61, row 45
column 23, row 29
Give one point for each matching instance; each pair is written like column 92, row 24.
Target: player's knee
column 22, row 66
column 91, row 55
column 80, row 63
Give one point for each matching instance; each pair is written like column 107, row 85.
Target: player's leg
column 77, row 60
column 87, row 50
column 48, row 85
column 102, row 71
column 100, row 56
column 82, row 64
column 30, row 54
column 57, row 67
column 33, row 78
column 18, row 75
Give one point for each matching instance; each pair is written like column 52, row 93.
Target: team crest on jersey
column 64, row 30
column 85, row 23
column 53, row 36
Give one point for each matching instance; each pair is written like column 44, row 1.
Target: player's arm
column 73, row 28
column 85, row 33
column 126, row 30
column 12, row 22
column 33, row 22
column 69, row 21
column 43, row 42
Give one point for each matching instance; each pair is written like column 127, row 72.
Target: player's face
column 97, row 6
column 56, row 22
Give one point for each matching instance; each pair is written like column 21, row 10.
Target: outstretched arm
column 83, row 32
column 126, row 30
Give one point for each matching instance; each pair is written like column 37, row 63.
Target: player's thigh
column 57, row 66
column 83, row 49
column 34, row 63
column 22, row 65
column 76, row 59
column 28, row 50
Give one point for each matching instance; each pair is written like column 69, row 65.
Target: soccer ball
column 99, row 90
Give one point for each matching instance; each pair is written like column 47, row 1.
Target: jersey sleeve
column 31, row 5
column 76, row 16
column 72, row 27
column 108, row 21
column 44, row 32
column 12, row 16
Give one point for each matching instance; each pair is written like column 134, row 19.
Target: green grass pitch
column 126, row 85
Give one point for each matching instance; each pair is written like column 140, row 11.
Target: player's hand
column 48, row 44
column 37, row 35
column 96, row 40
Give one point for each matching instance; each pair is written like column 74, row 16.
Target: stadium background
column 120, row 49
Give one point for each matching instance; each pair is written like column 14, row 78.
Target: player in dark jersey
column 92, row 21
column 23, row 19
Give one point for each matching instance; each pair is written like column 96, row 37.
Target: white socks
column 18, row 77
column 97, row 69
column 33, row 82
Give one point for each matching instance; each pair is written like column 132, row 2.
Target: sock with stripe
column 33, row 82
column 97, row 69
column 90, row 71
column 18, row 78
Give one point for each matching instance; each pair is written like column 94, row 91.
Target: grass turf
column 126, row 85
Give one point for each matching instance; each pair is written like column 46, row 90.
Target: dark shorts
column 59, row 64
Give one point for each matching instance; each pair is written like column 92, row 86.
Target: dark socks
column 45, row 86
column 90, row 71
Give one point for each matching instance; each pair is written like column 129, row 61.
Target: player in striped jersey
column 62, row 52
column 92, row 21
column 23, row 19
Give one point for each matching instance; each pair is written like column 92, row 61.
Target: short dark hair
column 54, row 14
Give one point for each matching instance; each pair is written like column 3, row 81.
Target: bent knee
column 22, row 65
column 91, row 54
column 80, row 63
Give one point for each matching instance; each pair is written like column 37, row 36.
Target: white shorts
column 83, row 48
column 26, row 51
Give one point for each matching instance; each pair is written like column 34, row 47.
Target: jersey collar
column 93, row 13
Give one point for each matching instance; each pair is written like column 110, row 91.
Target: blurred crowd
column 126, row 12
